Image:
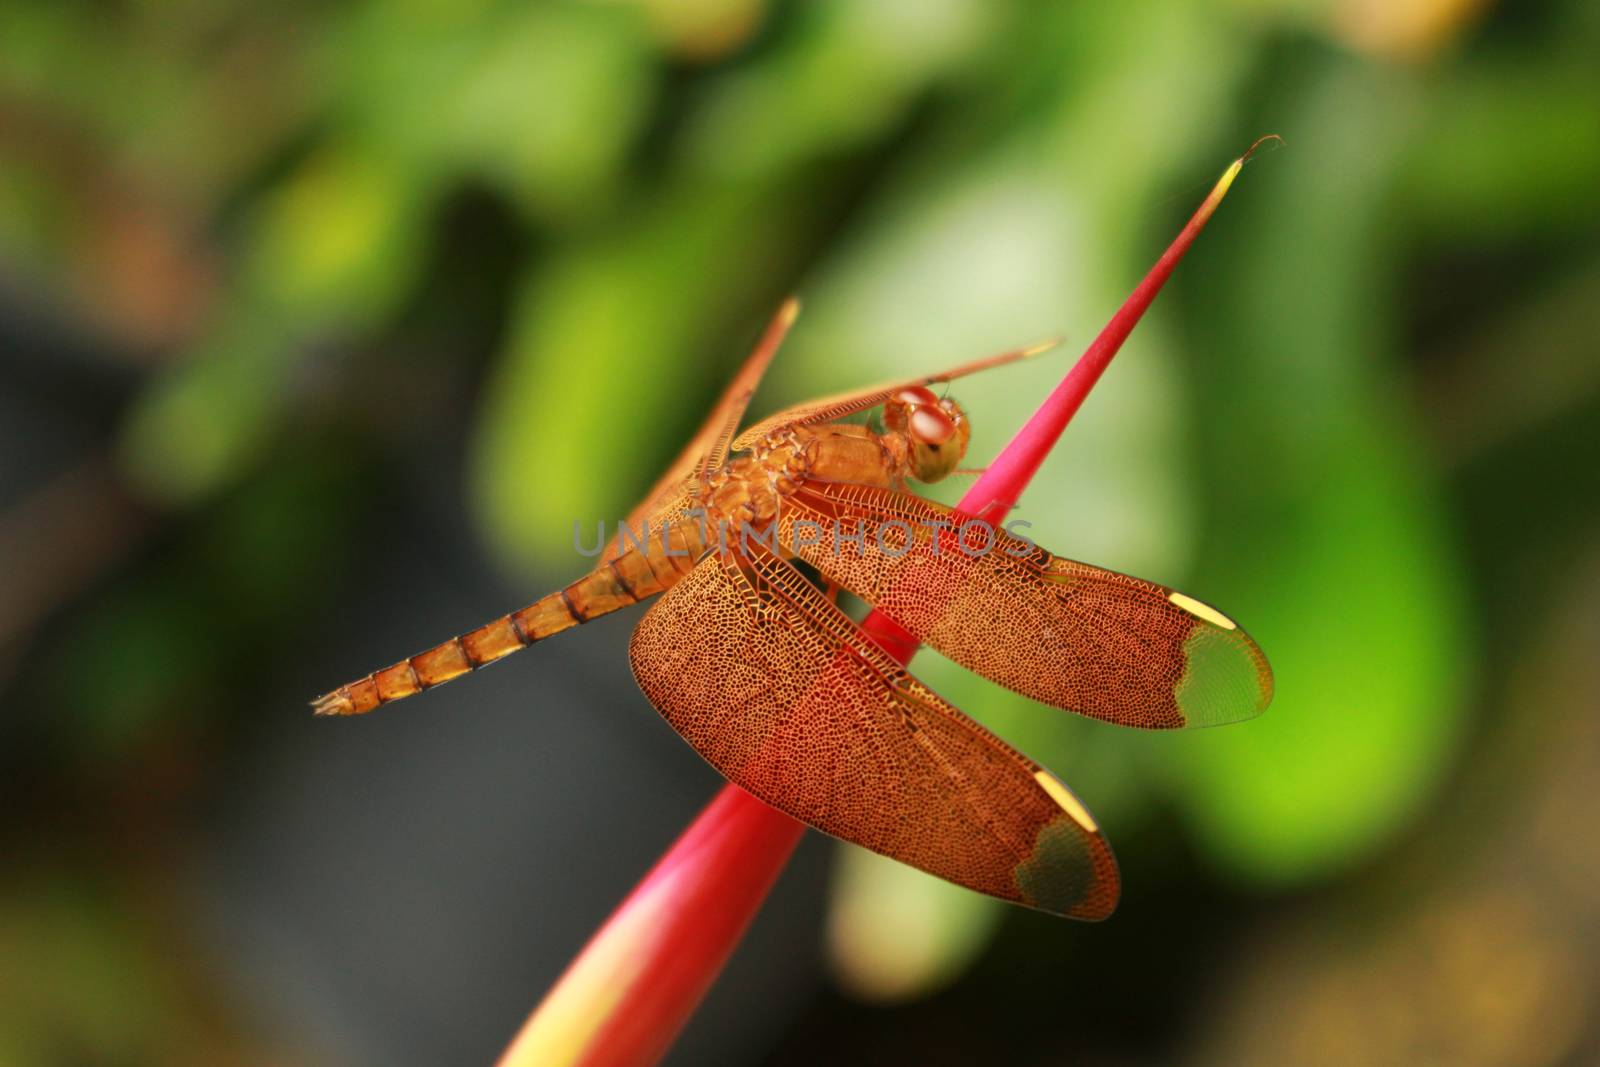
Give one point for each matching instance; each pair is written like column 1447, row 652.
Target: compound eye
column 931, row 426
column 916, row 396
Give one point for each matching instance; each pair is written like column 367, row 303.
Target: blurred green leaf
column 76, row 982
column 204, row 422
column 1026, row 228
column 335, row 250
column 337, row 242
column 597, row 361
column 542, row 99
column 1326, row 537
column 552, row 107
column 845, row 73
column 1510, row 148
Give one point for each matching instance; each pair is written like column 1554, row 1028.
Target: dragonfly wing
column 841, row 405
column 779, row 690
column 709, row 446
column 724, row 420
column 1064, row 633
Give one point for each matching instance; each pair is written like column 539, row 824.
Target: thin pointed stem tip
column 1257, row 143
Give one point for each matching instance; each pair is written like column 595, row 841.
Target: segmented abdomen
column 631, row 577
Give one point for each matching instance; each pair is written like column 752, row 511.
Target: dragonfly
column 761, row 670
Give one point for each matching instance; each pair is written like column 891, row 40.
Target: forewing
column 841, row 405
column 1064, row 633
column 779, row 690
column 709, row 446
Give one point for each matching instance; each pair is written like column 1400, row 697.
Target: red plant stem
column 1000, row 486
column 629, row 993
column 623, row 1001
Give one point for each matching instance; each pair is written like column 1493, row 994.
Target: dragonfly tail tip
column 332, row 704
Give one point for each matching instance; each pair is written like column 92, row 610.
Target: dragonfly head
column 933, row 430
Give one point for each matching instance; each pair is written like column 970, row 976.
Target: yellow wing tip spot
column 789, row 311
column 1202, row 611
column 1067, row 802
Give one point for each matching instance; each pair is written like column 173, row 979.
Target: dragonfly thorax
column 924, row 439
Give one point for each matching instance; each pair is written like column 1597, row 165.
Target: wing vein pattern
column 1064, row 633
column 784, row 695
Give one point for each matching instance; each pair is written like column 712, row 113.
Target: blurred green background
column 321, row 323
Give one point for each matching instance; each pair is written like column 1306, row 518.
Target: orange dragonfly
column 786, row 696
